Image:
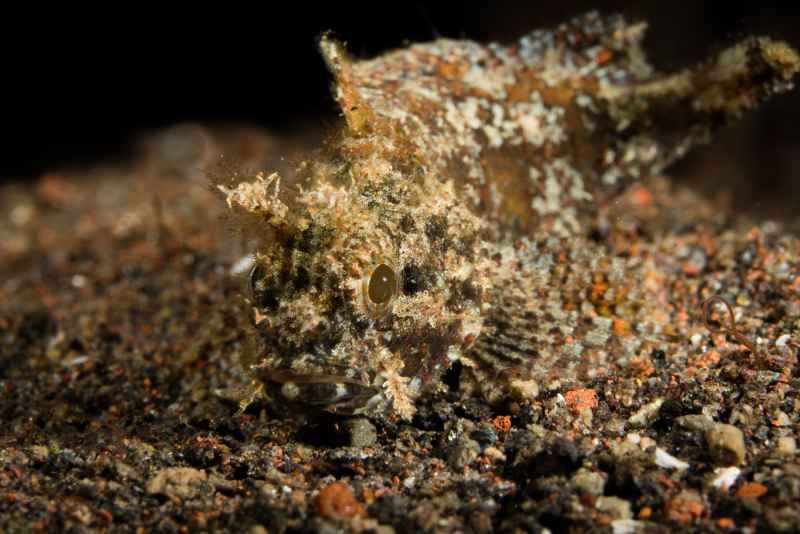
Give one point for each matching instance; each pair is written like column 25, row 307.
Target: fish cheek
column 416, row 278
column 424, row 352
column 265, row 295
column 267, row 298
column 463, row 294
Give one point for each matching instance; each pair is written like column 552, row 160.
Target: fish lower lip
column 330, row 391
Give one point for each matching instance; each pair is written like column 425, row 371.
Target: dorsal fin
column 539, row 134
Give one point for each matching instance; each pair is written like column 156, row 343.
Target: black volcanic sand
column 122, row 318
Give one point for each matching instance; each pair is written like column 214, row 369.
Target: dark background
column 79, row 87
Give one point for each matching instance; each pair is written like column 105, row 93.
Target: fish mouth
column 329, row 392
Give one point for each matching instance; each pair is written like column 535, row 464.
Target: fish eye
column 382, row 285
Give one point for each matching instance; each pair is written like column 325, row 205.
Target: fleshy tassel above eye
column 260, row 199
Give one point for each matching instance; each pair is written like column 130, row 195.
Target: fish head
column 368, row 288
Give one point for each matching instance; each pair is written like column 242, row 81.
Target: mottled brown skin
column 539, row 135
column 466, row 181
column 325, row 340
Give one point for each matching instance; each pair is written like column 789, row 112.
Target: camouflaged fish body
column 539, row 135
column 449, row 222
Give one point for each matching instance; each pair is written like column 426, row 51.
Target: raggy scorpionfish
column 449, row 220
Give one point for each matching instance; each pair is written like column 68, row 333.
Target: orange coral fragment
column 684, row 510
column 796, row 285
column 621, row 327
column 751, row 489
column 604, row 56
column 641, row 366
column 502, row 423
column 337, row 501
column 579, row 399
column 641, row 196
column 707, row 359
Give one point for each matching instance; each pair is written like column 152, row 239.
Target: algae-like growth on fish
column 450, row 221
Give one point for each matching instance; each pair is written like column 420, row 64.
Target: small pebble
column 646, row 442
column 481, row 522
column 634, row 438
column 787, row 445
column 463, row 453
column 125, row 470
column 667, row 461
column 627, row 526
column 781, row 419
column 40, row 453
column 695, row 422
column 485, row 435
column 494, row 454
column 725, row 477
column 615, row 507
column 646, row 413
column 184, row 482
column 726, row 444
column 589, row 481
column 361, row 432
